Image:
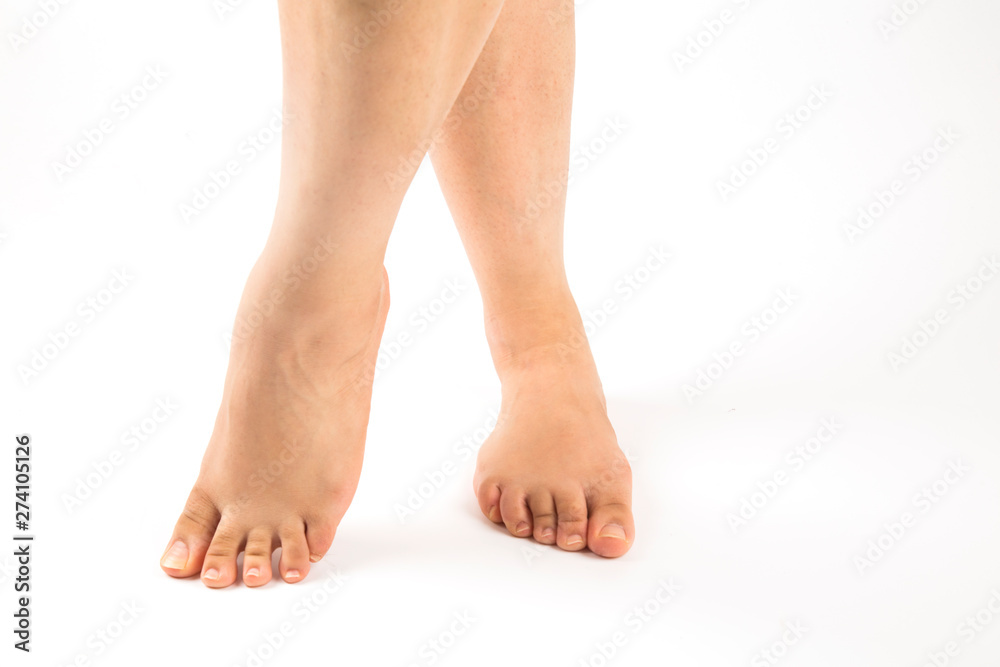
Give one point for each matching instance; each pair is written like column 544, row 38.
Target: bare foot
column 552, row 467
column 283, row 462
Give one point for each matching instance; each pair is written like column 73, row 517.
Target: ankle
column 539, row 335
column 299, row 306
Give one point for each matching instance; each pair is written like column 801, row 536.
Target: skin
column 283, row 461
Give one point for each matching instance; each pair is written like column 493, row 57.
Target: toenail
column 313, row 558
column 613, row 530
column 176, row 557
column 547, row 534
column 292, row 574
column 574, row 541
column 211, row 574
column 522, row 528
column 253, row 572
column 491, row 514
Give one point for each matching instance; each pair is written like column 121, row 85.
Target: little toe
column 488, row 496
column 319, row 535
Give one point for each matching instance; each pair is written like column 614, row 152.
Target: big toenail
column 613, row 530
column 492, row 513
column 212, row 574
column 574, row 541
column 292, row 574
column 522, row 528
column 253, row 572
column 176, row 557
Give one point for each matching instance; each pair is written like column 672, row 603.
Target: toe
column 514, row 512
column 192, row 534
column 543, row 514
column 611, row 529
column 319, row 536
column 257, row 557
column 295, row 551
column 488, row 496
column 571, row 511
column 219, row 568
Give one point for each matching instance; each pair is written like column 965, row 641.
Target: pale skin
column 283, row 462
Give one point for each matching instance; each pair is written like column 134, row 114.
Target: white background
column 695, row 461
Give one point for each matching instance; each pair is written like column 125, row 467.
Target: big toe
column 610, row 530
column 193, row 533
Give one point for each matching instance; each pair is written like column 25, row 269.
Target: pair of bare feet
column 284, row 459
column 485, row 90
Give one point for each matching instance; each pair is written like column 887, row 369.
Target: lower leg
column 285, row 455
column 552, row 468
